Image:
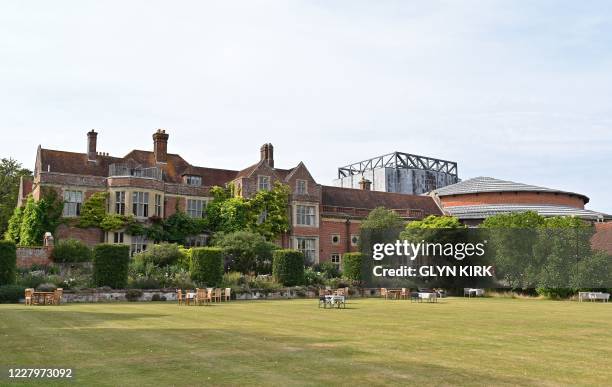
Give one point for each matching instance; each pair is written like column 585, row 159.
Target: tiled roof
column 489, row 184
column 358, row 198
column 487, row 210
column 602, row 240
column 173, row 170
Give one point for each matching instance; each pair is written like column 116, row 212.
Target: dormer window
column 263, row 183
column 193, row 180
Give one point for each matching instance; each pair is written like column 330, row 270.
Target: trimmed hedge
column 206, row 265
column 288, row 267
column 110, row 265
column 11, row 293
column 351, row 266
column 8, row 262
column 71, row 250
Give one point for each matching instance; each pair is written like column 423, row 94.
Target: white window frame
column 336, row 259
column 301, row 187
column 73, row 200
column 193, row 180
column 138, row 244
column 306, row 215
column 263, row 183
column 157, row 205
column 335, row 236
column 353, row 236
column 307, row 246
column 118, row 237
column 120, row 202
column 196, row 208
column 196, row 241
column 140, row 204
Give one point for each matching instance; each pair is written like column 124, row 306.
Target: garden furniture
column 28, row 296
column 334, row 300
column 383, row 293
column 394, row 293
column 201, row 296
column 228, row 292
column 57, row 296
column 179, row 296
column 429, row 296
column 414, row 297
column 218, row 294
column 594, row 296
column 404, row 293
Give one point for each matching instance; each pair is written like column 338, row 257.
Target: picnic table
column 332, row 300
column 593, row 296
column 44, row 298
column 394, row 293
column 430, row 297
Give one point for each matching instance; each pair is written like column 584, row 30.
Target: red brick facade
column 545, row 198
column 333, row 211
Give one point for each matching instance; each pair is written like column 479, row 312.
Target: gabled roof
column 482, row 211
column 292, row 171
column 173, row 169
column 358, row 198
column 489, row 184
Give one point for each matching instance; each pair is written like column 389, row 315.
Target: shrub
column 11, row 293
column 158, row 297
column 133, row 295
column 145, row 283
column 207, row 265
column 162, row 254
column 71, row 250
column 110, row 265
column 8, row 262
column 312, row 277
column 328, row 269
column 233, row 278
column 46, row 287
column 352, row 266
column 288, row 267
column 249, row 252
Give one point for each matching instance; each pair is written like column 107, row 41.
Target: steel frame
column 399, row 160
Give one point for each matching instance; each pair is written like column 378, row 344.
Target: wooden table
column 394, row 293
column 47, row 298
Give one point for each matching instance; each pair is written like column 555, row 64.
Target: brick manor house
column 324, row 220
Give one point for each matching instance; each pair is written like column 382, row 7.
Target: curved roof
column 489, row 184
column 486, row 210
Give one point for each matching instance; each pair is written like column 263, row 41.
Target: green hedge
column 71, row 250
column 206, row 265
column 110, row 265
column 288, row 267
column 351, row 266
column 11, row 293
column 8, row 262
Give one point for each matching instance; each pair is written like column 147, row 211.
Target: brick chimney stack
column 267, row 154
column 365, row 184
column 92, row 139
column 160, row 146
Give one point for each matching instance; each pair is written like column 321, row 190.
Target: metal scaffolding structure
column 400, row 160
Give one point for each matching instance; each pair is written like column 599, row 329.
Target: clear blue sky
column 518, row 90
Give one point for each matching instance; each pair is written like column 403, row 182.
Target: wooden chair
column 28, row 296
column 383, row 293
column 404, row 294
column 322, row 292
column 346, row 292
column 179, row 296
column 201, row 296
column 228, row 294
column 218, row 294
column 57, row 296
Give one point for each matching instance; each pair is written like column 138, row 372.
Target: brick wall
column 544, row 198
column 28, row 256
column 89, row 236
column 330, row 227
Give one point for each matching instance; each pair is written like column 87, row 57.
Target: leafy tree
column 32, row 228
column 11, row 172
column 14, row 226
column 93, row 210
column 51, row 208
column 381, row 218
column 249, row 252
column 269, row 211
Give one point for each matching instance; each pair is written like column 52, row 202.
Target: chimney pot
column 92, row 139
column 267, row 154
column 160, row 146
column 365, row 184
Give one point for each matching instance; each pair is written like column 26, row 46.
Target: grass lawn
column 373, row 342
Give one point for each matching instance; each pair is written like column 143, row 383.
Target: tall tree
column 10, row 173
